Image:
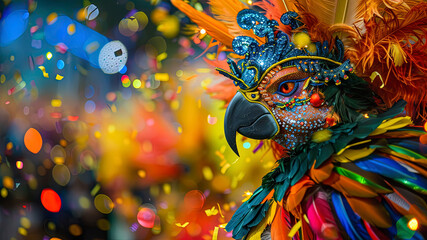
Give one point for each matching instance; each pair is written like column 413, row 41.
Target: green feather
column 358, row 178
column 406, row 151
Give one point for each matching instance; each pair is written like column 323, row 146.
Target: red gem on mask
column 316, row 100
column 330, row 121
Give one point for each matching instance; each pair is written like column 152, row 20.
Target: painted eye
column 287, row 88
column 252, row 96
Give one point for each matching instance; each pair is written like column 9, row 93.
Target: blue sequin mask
column 258, row 59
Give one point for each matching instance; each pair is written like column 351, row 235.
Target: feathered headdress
column 385, row 40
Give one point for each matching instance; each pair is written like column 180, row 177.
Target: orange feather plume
column 349, row 187
column 394, row 46
column 371, row 210
column 226, row 11
column 213, row 27
column 279, row 227
column 388, row 39
column 297, row 193
column 274, row 10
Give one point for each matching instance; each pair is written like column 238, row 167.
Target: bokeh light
column 413, row 224
column 50, row 200
column 19, row 164
column 146, row 217
column 33, row 140
column 103, row 203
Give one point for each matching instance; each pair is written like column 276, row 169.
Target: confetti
column 50, row 200
column 45, row 74
column 51, row 19
column 31, row 62
column 161, row 76
column 261, row 143
column 56, row 103
column 37, row 44
column 247, row 195
column 61, row 48
column 225, row 168
column 71, row 29
column 95, row 189
column 92, row 47
column 72, row 118
column 59, row 77
column 203, row 70
column 134, row 227
column 34, row 29
column 60, row 64
column 211, row 212
column 220, row 212
column 182, row 225
column 215, row 233
column 207, row 173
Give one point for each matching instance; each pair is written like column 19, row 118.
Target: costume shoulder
column 365, row 180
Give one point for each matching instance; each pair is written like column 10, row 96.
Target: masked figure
column 355, row 164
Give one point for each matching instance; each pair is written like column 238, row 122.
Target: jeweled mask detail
column 285, row 75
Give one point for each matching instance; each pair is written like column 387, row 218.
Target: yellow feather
column 255, row 233
column 374, row 75
column 353, row 154
column 324, row 10
column 392, row 124
column 295, row 229
column 397, row 54
column 321, row 136
column 352, row 145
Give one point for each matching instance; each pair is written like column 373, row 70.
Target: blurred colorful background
column 129, row 145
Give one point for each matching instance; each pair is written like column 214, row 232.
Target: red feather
column 320, row 216
column 281, row 225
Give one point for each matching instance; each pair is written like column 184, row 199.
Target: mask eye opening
column 285, row 85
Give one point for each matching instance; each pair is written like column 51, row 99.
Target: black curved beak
column 250, row 119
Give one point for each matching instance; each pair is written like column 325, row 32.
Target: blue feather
column 419, row 181
column 417, row 236
column 392, row 231
column 395, row 217
column 356, row 221
column 415, row 146
column 393, row 170
column 384, row 166
column 341, row 212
